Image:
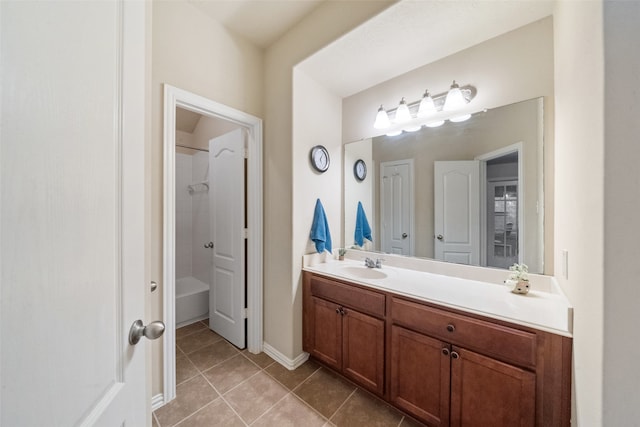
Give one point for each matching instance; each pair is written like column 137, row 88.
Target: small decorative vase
column 518, row 286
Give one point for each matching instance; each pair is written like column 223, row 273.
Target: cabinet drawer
column 360, row 299
column 501, row 342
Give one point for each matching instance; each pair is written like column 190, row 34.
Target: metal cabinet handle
column 451, row 328
column 154, row 286
column 152, row 331
column 445, row 351
column 454, row 355
column 342, row 311
column 404, row 235
column 209, row 245
column 440, row 237
column 338, row 310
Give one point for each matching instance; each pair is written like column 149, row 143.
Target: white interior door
column 72, row 214
column 227, row 210
column 457, row 211
column 396, row 207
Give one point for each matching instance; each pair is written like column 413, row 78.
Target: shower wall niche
column 193, row 259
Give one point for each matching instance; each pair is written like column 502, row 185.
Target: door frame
column 173, row 98
column 484, row 158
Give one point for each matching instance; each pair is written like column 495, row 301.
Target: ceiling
column 405, row 36
column 413, row 33
column 260, row 21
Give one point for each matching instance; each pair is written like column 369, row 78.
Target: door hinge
column 245, row 313
column 245, row 233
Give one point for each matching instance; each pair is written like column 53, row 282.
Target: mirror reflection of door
column 457, row 211
column 502, row 223
column 396, row 207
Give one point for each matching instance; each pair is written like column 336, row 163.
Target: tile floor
column 219, row 385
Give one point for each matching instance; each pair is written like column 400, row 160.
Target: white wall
column 621, row 405
column 184, row 216
column 192, row 217
column 314, row 123
column 282, row 299
column 579, row 201
column 201, row 223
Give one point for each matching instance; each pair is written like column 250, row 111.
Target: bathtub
column 192, row 301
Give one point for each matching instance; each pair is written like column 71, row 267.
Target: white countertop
column 548, row 309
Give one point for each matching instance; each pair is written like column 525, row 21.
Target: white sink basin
column 363, row 272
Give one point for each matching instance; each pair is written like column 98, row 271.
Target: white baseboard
column 157, row 401
column 288, row 363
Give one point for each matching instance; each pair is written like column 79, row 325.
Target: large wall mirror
column 469, row 192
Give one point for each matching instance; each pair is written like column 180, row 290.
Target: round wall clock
column 319, row 157
column 360, row 170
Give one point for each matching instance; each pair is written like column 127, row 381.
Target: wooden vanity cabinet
column 464, row 388
column 442, row 366
column 344, row 328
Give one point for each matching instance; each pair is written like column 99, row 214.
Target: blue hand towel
column 320, row 229
column 363, row 231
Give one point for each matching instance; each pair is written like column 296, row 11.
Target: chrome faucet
column 369, row 263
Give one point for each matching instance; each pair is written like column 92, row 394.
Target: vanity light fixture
column 430, row 111
column 454, row 100
column 427, row 106
column 402, row 112
column 382, row 119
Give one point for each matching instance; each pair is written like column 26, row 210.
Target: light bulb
column 402, row 113
column 412, row 128
column 394, row 133
column 382, row 119
column 455, row 99
column 427, row 107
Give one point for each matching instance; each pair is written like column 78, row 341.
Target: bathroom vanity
column 444, row 349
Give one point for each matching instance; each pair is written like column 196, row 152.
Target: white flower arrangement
column 519, row 272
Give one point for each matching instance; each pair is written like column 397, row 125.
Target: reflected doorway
column 502, row 211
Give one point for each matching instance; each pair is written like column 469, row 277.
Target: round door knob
column 440, row 237
column 451, row 328
column 404, row 235
column 152, row 331
column 445, row 351
column 454, row 355
column 209, row 245
column 338, row 310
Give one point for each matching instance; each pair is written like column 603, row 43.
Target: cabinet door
column 363, row 350
column 485, row 392
column 326, row 332
column 420, row 376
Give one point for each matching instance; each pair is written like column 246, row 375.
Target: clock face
column 320, row 158
column 360, row 170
